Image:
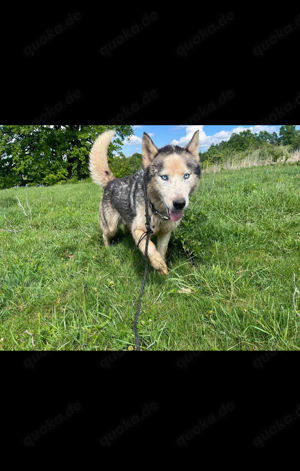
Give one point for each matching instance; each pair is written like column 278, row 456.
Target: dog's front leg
column 155, row 257
column 162, row 243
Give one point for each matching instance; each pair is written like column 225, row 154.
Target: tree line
column 247, row 141
column 50, row 154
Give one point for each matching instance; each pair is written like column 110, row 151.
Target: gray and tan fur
column 172, row 175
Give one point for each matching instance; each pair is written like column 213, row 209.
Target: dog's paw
column 160, row 266
column 164, row 270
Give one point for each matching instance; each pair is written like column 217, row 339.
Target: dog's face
column 172, row 174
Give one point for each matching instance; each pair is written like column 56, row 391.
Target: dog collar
column 157, row 213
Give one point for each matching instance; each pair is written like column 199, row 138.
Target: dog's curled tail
column 99, row 169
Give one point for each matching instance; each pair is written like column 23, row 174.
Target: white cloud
column 207, row 141
column 190, row 130
column 132, row 141
column 255, row 129
column 135, row 140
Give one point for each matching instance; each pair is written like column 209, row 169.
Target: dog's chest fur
column 161, row 226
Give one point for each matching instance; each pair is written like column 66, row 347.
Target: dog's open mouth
column 175, row 215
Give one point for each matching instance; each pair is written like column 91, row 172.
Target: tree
column 136, row 162
column 264, row 137
column 214, row 154
column 287, row 134
column 122, row 166
column 242, row 141
column 296, row 141
column 49, row 154
column 274, row 139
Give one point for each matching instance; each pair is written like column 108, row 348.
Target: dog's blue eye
column 186, row 176
column 165, row 177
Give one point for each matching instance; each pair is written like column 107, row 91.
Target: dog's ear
column 193, row 146
column 150, row 150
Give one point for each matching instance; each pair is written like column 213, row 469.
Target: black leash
column 143, row 236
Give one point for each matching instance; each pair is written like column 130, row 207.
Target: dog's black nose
column 179, row 204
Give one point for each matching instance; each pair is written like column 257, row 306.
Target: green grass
column 236, row 250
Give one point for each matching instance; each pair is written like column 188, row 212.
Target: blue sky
column 181, row 134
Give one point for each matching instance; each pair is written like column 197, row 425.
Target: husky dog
column 171, row 174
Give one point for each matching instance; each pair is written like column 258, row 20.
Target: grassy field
column 231, row 261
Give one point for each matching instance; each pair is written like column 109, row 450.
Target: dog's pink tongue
column 176, row 215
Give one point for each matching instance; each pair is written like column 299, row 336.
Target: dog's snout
column 179, row 204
